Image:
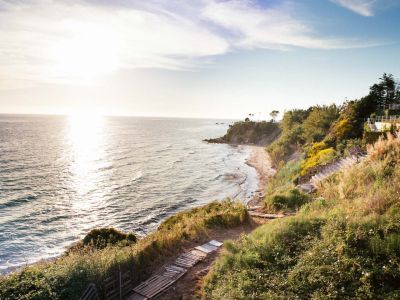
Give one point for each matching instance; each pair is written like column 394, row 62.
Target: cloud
column 63, row 42
column 361, row 7
column 273, row 28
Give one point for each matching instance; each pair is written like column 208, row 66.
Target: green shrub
column 291, row 200
column 100, row 238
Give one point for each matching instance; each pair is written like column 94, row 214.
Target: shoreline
column 258, row 159
column 261, row 162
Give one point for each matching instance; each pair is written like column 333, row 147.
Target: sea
column 61, row 176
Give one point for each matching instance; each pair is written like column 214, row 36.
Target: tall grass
column 68, row 276
column 281, row 194
column 343, row 245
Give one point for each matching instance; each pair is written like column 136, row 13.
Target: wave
column 18, row 201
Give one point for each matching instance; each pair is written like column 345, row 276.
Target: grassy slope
column 344, row 244
column 68, row 276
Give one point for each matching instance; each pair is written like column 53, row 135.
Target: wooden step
column 265, row 216
column 153, row 286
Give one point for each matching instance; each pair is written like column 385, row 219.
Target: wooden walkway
column 169, row 274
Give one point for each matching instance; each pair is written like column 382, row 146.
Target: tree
column 385, row 91
column 274, row 114
column 318, row 122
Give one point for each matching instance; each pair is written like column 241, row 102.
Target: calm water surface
column 62, row 176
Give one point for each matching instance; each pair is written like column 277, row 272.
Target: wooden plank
column 198, row 253
column 137, row 296
column 176, row 268
column 265, row 216
column 157, row 285
column 145, row 283
column 188, row 255
column 205, row 249
column 215, row 243
column 114, row 295
column 186, row 260
column 208, row 248
column 90, row 293
column 154, row 283
column 186, row 265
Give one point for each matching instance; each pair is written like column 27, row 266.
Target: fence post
column 120, row 283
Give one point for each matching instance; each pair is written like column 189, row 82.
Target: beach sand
column 260, row 160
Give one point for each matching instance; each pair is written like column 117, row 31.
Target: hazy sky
column 197, row 58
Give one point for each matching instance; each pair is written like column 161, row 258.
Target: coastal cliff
column 250, row 132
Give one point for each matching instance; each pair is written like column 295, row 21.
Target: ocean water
column 62, row 176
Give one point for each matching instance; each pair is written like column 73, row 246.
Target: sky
column 197, row 58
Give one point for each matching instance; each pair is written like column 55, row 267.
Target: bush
column 291, row 200
column 343, row 129
column 280, row 183
column 100, row 238
column 316, row 158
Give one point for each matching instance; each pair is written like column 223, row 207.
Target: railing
column 116, row 287
column 394, row 106
column 384, row 119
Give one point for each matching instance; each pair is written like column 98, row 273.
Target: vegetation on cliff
column 322, row 133
column 344, row 244
column 68, row 276
column 249, row 132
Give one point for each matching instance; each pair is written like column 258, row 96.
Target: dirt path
column 185, row 288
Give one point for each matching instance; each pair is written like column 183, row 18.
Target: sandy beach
column 261, row 161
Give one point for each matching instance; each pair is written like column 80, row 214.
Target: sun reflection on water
column 87, row 139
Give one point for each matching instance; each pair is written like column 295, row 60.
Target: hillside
column 249, row 132
column 344, row 240
column 343, row 244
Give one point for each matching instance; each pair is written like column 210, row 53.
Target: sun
column 88, row 51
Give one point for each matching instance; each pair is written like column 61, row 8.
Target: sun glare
column 86, row 138
column 88, row 51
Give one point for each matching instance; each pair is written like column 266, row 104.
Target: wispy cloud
column 269, row 28
column 59, row 42
column 362, row 7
